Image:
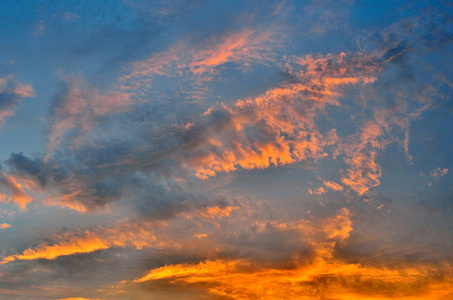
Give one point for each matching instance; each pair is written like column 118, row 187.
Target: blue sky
column 226, row 150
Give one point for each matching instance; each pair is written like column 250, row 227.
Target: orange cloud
column 322, row 277
column 198, row 63
column 318, row 191
column 438, row 172
column 236, row 47
column 364, row 172
column 216, row 211
column 238, row 279
column 74, row 245
column 340, row 226
column 66, row 201
column 333, row 185
column 5, row 225
column 16, row 187
column 287, row 116
column 124, row 235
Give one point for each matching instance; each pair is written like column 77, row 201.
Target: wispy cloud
column 333, row 185
column 194, row 63
column 11, row 95
column 438, row 172
column 14, row 189
column 124, row 235
column 78, row 109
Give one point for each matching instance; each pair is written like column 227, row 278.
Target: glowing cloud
column 324, row 276
column 285, row 116
column 333, row 185
column 361, row 155
column 5, row 225
column 16, row 187
column 124, row 235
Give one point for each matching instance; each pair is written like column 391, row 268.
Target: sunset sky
column 226, row 149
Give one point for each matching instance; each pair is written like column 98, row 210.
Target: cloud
column 97, row 141
column 78, row 108
column 333, row 185
column 238, row 47
column 205, row 124
column 5, row 225
column 124, row 235
column 438, row 172
column 100, row 140
column 318, row 191
column 147, row 232
column 11, row 95
column 93, row 167
column 240, row 280
column 320, row 275
column 186, row 68
column 274, row 128
column 364, row 172
column 14, row 189
column 278, row 126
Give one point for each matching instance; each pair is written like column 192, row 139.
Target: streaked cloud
column 124, row 235
column 333, row 185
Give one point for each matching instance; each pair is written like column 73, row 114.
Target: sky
column 226, row 149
